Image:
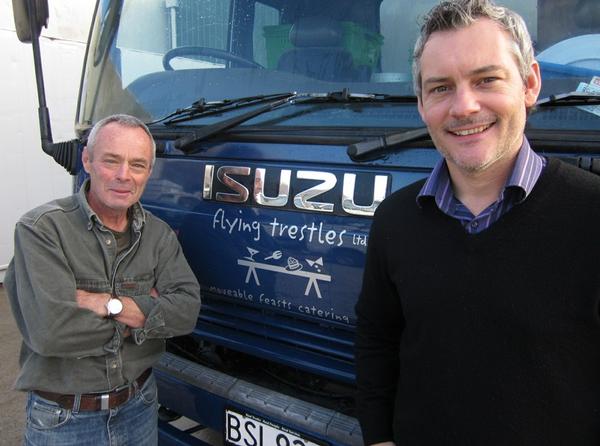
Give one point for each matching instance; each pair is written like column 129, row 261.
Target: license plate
column 250, row 430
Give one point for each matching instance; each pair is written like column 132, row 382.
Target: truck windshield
column 152, row 57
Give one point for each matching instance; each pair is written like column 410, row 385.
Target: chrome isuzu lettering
column 284, row 188
column 379, row 193
column 337, row 192
column 242, row 192
column 302, row 199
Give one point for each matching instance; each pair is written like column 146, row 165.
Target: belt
column 97, row 401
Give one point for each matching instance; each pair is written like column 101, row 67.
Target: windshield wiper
column 569, row 99
column 213, row 129
column 202, row 107
column 364, row 149
column 205, row 132
column 346, row 96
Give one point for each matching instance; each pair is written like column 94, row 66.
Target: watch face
column 114, row 306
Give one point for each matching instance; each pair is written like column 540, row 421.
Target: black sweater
column 485, row 339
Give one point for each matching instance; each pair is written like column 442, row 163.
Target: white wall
column 28, row 177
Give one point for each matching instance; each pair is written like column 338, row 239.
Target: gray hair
column 125, row 121
column 456, row 14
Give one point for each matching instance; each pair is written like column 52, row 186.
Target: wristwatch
column 114, row 306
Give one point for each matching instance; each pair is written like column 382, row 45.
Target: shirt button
column 475, row 224
column 108, row 241
column 113, row 365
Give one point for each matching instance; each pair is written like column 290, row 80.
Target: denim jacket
column 63, row 246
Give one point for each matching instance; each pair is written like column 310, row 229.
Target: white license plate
column 250, row 430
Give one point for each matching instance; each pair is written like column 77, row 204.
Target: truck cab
column 281, row 125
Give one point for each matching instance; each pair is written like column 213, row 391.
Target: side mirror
column 25, row 25
column 30, row 16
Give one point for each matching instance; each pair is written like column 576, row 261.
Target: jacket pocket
column 138, row 285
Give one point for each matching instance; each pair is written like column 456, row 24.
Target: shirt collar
column 526, row 171
column 528, row 168
column 437, row 186
column 136, row 210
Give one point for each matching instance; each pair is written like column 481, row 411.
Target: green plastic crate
column 364, row 46
column 277, row 39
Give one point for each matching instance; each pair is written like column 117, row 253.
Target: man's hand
column 131, row 315
column 95, row 302
column 385, row 443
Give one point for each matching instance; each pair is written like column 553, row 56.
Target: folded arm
column 42, row 290
column 131, row 315
column 172, row 308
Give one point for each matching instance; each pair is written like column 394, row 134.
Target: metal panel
column 203, row 23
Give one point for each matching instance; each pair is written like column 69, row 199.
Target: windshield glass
column 152, row 57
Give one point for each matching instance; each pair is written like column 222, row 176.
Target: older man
column 96, row 285
column 478, row 320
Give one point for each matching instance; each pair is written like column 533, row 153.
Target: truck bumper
column 203, row 395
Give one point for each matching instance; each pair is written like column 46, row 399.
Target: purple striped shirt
column 528, row 168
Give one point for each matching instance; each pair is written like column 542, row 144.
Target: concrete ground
column 12, row 403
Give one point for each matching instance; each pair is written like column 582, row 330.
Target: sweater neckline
column 541, row 190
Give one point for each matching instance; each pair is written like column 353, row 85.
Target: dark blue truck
column 281, row 125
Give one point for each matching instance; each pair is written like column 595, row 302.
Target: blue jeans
column 134, row 423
